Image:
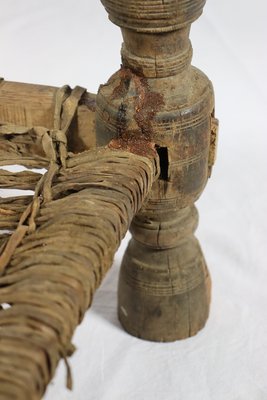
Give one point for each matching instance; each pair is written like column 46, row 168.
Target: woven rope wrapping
column 64, row 239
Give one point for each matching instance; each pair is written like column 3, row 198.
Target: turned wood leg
column 157, row 97
column 164, row 285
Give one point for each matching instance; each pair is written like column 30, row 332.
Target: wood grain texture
column 154, row 133
column 31, row 105
column 153, row 15
column 158, row 97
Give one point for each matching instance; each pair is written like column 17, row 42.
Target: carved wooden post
column 157, row 96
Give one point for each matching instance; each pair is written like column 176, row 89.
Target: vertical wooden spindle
column 157, row 96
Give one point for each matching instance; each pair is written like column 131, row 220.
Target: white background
column 71, row 41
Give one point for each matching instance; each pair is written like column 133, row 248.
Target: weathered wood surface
column 63, row 238
column 158, row 97
column 31, row 106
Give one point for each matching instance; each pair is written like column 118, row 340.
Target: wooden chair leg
column 164, row 286
column 157, row 96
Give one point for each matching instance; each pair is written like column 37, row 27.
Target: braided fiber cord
column 63, row 242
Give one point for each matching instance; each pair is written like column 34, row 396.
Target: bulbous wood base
column 164, row 295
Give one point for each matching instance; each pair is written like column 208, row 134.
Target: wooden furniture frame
column 137, row 154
